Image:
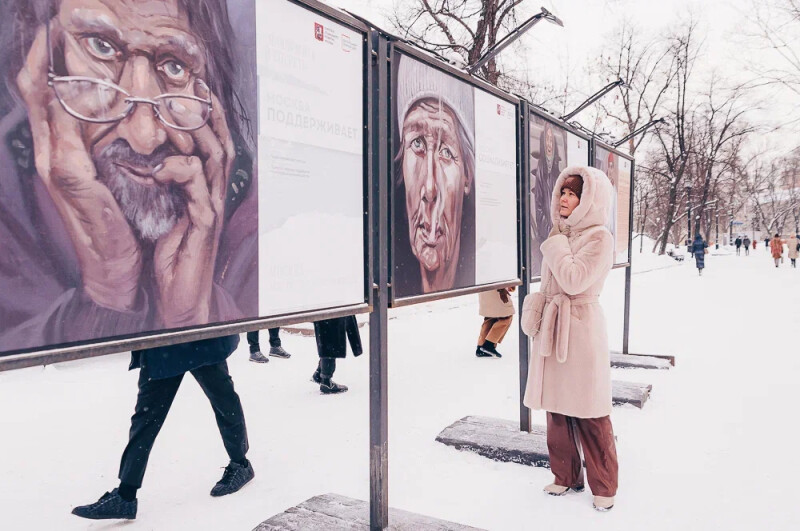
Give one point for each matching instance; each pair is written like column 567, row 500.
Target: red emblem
column 319, row 32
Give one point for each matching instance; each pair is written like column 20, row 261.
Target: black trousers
column 274, row 339
column 153, row 403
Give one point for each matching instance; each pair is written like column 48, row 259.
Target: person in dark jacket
column 160, row 375
column 275, row 348
column 699, row 251
column 746, row 242
column 738, row 243
column 766, row 243
column 332, row 337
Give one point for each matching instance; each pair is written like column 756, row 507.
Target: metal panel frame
column 397, row 47
column 21, row 358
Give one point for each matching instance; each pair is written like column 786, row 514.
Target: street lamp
column 730, row 229
column 689, row 217
column 716, row 213
column 512, row 36
column 594, row 97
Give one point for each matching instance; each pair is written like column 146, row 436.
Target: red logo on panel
column 319, row 32
column 499, row 109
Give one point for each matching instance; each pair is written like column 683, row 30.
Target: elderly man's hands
column 185, row 257
column 107, row 249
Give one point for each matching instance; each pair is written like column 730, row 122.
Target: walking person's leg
column 600, row 453
column 565, row 458
column 255, row 348
column 482, row 350
column 497, row 331
column 275, row 348
column 217, row 384
column 153, row 402
column 327, row 366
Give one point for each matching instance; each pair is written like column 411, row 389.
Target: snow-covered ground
column 714, row 448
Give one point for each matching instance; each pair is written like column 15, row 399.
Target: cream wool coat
column 570, row 370
column 491, row 305
column 791, row 243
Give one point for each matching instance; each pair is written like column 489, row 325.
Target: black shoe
column 278, row 352
column 316, row 378
column 481, row 354
column 110, row 506
column 329, row 387
column 490, row 351
column 258, row 357
column 234, row 478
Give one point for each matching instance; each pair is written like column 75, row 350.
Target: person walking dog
column 570, row 374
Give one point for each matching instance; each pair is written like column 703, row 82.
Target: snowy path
column 714, row 448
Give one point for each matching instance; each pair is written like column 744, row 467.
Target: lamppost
column 716, row 213
column 689, row 218
column 730, row 228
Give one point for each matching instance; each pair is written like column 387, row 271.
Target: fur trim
column 596, row 198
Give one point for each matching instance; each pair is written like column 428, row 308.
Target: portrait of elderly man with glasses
column 434, row 229
column 126, row 199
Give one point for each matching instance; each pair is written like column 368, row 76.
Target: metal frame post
column 626, row 326
column 378, row 319
column 524, row 252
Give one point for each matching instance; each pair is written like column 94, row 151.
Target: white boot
column 603, row 503
column 559, row 490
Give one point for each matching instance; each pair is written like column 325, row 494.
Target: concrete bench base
column 632, row 393
column 498, row 439
column 333, row 512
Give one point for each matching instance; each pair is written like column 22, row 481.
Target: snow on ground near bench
column 714, row 448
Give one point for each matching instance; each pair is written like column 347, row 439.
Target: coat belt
column 556, row 322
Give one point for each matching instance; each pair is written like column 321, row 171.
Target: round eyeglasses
column 99, row 101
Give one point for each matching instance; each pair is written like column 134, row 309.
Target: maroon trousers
column 565, row 437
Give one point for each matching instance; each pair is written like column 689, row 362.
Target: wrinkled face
column 435, row 181
column 146, row 48
column 568, row 202
column 549, row 145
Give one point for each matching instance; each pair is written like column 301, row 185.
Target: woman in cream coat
column 570, row 375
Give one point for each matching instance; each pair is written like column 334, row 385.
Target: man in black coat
column 738, row 243
column 332, row 336
column 161, row 373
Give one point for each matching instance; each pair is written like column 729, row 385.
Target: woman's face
column 568, row 202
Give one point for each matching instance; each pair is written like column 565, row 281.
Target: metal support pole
column 626, row 320
column 688, row 217
column 716, row 211
column 626, row 325
column 378, row 319
column 524, row 250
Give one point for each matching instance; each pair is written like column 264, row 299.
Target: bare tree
column 676, row 139
column 466, row 28
column 646, row 67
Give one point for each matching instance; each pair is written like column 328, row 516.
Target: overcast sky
column 552, row 53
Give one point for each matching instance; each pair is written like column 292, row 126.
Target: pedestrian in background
column 275, row 348
column 738, row 245
column 746, row 243
column 776, row 246
column 766, row 243
column 699, row 249
column 793, row 245
column 332, row 337
column 497, row 310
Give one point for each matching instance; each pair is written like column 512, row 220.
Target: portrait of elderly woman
column 434, row 175
column 127, row 193
column 548, row 158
